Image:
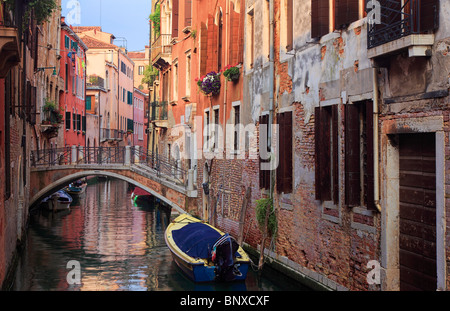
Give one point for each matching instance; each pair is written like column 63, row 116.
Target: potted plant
column 209, row 84
column 232, row 73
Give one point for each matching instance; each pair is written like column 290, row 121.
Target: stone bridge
column 54, row 169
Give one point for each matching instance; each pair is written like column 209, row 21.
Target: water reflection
column 119, row 245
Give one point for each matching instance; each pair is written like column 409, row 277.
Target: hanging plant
column 209, row 84
column 231, row 73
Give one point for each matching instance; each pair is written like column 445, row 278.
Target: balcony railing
column 397, row 20
column 7, row 17
column 161, row 47
column 110, row 134
column 159, row 111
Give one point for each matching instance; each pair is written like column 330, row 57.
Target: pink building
column 72, row 98
column 138, row 118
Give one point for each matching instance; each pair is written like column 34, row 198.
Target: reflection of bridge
column 53, row 169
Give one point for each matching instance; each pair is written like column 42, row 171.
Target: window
column 216, row 125
column 207, row 130
column 130, row 98
column 67, row 120
column 188, row 75
column 219, row 54
column 175, row 82
column 66, row 42
column 187, row 13
column 264, row 174
column 74, row 118
column 67, row 78
column 237, row 120
column 284, row 169
column 141, row 70
column 88, row 102
column 319, row 18
column 326, row 153
column 290, row 25
column 78, row 122
column 83, row 123
column 359, row 175
column 175, row 6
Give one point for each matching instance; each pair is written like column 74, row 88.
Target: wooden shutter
column 289, row 25
column 346, row 12
column 369, row 169
column 323, row 153
column 203, row 48
column 175, row 18
column 187, row 13
column 284, row 169
column 429, row 15
column 212, row 45
column 335, row 152
column 234, row 36
column 319, row 18
column 352, row 156
column 317, row 152
column 264, row 175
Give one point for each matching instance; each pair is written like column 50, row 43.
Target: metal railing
column 159, row 111
column 399, row 20
column 160, row 164
column 51, row 157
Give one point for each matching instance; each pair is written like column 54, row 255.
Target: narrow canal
column 119, row 245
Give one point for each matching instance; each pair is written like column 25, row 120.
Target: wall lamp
column 43, row 68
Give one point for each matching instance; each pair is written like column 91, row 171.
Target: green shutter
column 88, row 102
column 130, row 125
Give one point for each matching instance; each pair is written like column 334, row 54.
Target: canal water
column 119, row 245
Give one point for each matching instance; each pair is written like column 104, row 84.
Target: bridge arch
column 62, row 182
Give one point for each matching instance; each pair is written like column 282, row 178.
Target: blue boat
column 204, row 253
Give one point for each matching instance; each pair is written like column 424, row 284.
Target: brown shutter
column 284, row 169
column 317, row 152
column 352, row 156
column 203, row 48
column 187, row 13
column 175, row 18
column 325, row 154
column 335, row 155
column 290, row 25
column 429, row 15
column 211, row 63
column 369, row 191
column 234, row 37
column 319, row 18
column 346, row 12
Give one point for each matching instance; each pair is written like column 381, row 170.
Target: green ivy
column 261, row 209
column 40, row 10
column 155, row 17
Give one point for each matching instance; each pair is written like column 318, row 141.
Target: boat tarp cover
column 196, row 239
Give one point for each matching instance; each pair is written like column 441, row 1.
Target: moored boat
column 58, row 201
column 76, row 188
column 204, row 253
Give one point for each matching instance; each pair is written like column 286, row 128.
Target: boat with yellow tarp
column 204, row 253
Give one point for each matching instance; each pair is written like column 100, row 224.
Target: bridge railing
column 101, row 155
column 51, row 157
column 161, row 164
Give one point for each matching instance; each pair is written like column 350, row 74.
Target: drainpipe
column 376, row 141
column 271, row 84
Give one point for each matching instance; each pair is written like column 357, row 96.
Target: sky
column 123, row 18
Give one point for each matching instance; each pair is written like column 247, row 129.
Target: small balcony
column 109, row 135
column 159, row 114
column 9, row 38
column 51, row 123
column 403, row 25
column 161, row 51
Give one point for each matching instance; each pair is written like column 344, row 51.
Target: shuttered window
column 289, row 25
column 346, row 12
column 359, row 174
column 203, row 48
column 319, row 18
column 67, row 120
column 326, row 153
column 235, row 36
column 284, row 169
column 88, row 102
column 187, row 13
column 264, row 175
column 429, row 15
column 175, row 18
column 83, row 123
